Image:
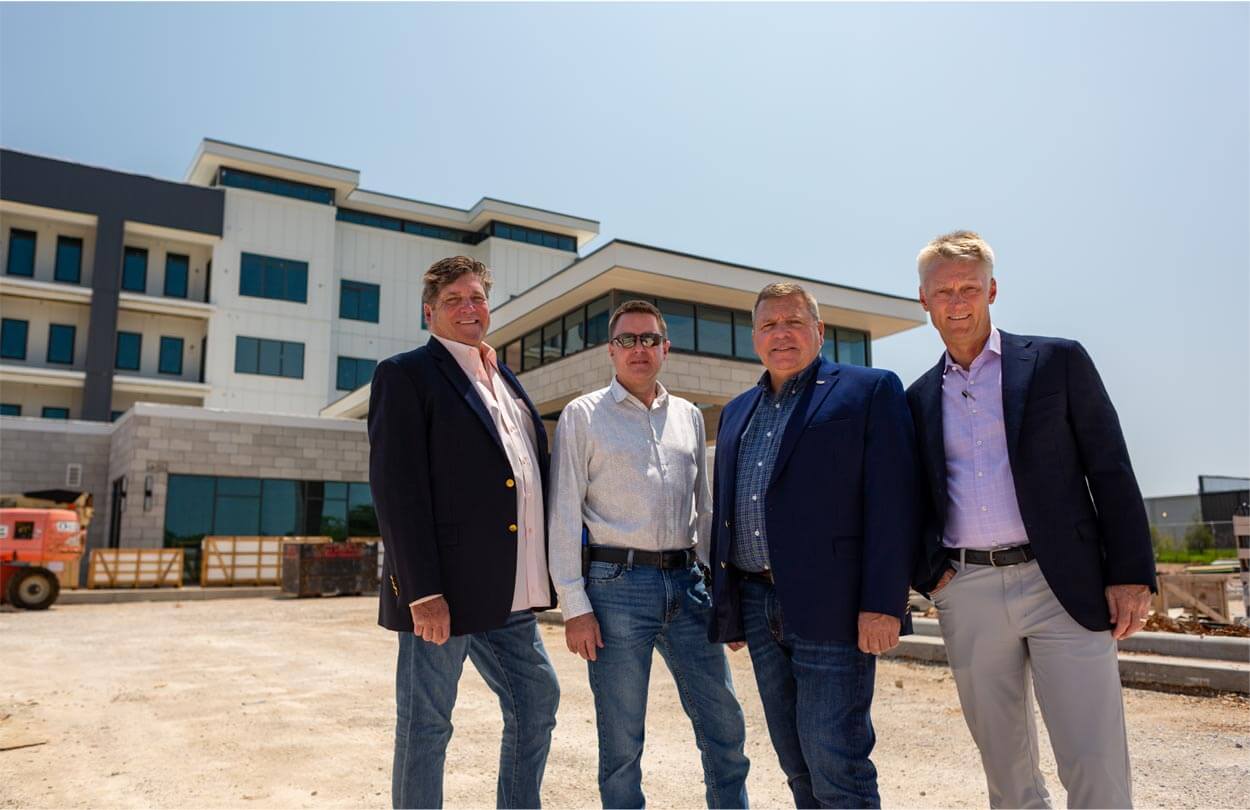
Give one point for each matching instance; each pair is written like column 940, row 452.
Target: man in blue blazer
column 1038, row 554
column 815, row 529
column 458, row 468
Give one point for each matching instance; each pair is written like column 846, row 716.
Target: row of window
column 236, row 178
column 68, row 267
column 61, row 339
column 270, row 358
column 48, row 412
column 502, row 230
column 693, row 328
column 287, row 280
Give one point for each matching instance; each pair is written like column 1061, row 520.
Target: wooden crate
column 135, row 568
column 245, row 560
column 1204, row 595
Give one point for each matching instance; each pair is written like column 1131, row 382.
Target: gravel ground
column 289, row 703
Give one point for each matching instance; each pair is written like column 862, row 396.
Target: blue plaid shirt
column 757, row 455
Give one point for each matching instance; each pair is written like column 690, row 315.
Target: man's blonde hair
column 960, row 246
column 785, row 289
column 446, row 271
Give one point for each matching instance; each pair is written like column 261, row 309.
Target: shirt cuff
column 416, row 602
column 574, row 603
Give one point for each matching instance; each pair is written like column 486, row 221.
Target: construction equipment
column 40, row 534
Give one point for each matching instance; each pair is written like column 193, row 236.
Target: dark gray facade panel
column 97, row 394
column 73, row 187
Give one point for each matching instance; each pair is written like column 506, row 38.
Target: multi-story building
column 230, row 324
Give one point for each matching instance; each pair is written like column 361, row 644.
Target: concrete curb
column 188, row 594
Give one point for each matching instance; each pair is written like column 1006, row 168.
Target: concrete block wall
column 35, row 454
column 157, row 440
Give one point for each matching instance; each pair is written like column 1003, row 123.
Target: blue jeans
column 514, row 664
column 641, row 609
column 817, row 696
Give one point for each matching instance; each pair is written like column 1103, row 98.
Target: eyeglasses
column 649, row 340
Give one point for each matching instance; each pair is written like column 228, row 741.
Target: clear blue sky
column 1103, row 150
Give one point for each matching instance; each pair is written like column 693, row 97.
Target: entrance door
column 115, row 515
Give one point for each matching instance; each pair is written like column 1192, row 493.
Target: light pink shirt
column 981, row 508
column 516, row 432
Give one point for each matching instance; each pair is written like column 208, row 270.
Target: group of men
column 998, row 485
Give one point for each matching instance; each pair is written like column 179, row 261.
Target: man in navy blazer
column 1038, row 554
column 458, row 469
column 815, row 529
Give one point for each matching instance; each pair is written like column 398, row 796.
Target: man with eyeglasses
column 458, row 467
column 815, row 529
column 629, row 471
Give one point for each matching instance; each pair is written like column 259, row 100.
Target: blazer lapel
column 460, row 381
column 1018, row 364
column 809, row 403
column 934, row 433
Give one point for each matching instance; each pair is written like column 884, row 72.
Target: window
column 743, row 348
column 551, row 341
column 715, row 331
column 171, row 356
column 13, row 339
column 575, row 331
column 129, row 350
column 414, row 228
column 852, row 347
column 532, row 236
column 354, row 372
column 21, row 260
column 115, row 415
column 512, row 355
column 275, row 185
column 135, row 270
column 597, row 316
column 680, row 319
column 358, row 301
column 270, row 277
column 829, row 348
column 176, row 271
column 68, row 260
column 531, row 351
column 271, row 358
column 61, row 343
column 54, row 413
column 10, row 409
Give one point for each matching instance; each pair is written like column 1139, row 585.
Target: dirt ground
column 286, row 703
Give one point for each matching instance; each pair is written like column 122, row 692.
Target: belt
column 683, row 558
column 996, row 557
column 764, row 577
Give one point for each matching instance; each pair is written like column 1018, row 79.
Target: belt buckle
column 994, row 557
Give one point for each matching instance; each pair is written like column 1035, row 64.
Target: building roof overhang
column 641, row 268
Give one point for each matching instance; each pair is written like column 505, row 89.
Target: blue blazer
column 840, row 509
column 443, row 490
column 1079, row 499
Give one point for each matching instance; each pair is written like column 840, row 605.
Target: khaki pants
column 1007, row 637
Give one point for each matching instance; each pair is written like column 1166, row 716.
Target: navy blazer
column 840, row 509
column 1082, row 510
column 443, row 490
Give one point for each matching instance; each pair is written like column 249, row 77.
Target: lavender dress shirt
column 981, row 511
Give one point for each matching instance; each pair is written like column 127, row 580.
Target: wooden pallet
column 1198, row 594
column 135, row 568
column 245, row 560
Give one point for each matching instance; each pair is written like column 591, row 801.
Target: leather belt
column 764, row 577
column 683, row 558
column 998, row 557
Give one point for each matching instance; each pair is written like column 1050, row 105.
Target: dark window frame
column 127, row 284
column 73, row 338
column 353, row 365
column 169, row 340
column 186, row 275
column 10, row 409
column 66, row 242
column 278, row 186
column 21, row 233
column 117, row 351
column 360, row 294
column 286, row 350
column 53, row 412
column 257, row 272
column 6, row 351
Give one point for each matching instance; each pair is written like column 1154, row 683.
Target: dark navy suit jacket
column 443, row 490
column 841, row 510
column 1079, row 499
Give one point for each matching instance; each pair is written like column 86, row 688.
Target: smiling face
column 957, row 295
column 637, row 367
column 461, row 311
column 786, row 336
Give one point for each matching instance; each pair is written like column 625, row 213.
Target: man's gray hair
column 960, row 246
column 785, row 289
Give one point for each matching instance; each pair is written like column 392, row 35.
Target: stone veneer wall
column 35, row 454
column 156, row 440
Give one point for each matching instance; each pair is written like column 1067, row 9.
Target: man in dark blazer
column 458, row 468
column 1038, row 554
column 815, row 529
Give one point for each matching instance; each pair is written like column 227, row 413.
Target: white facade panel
column 518, row 266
